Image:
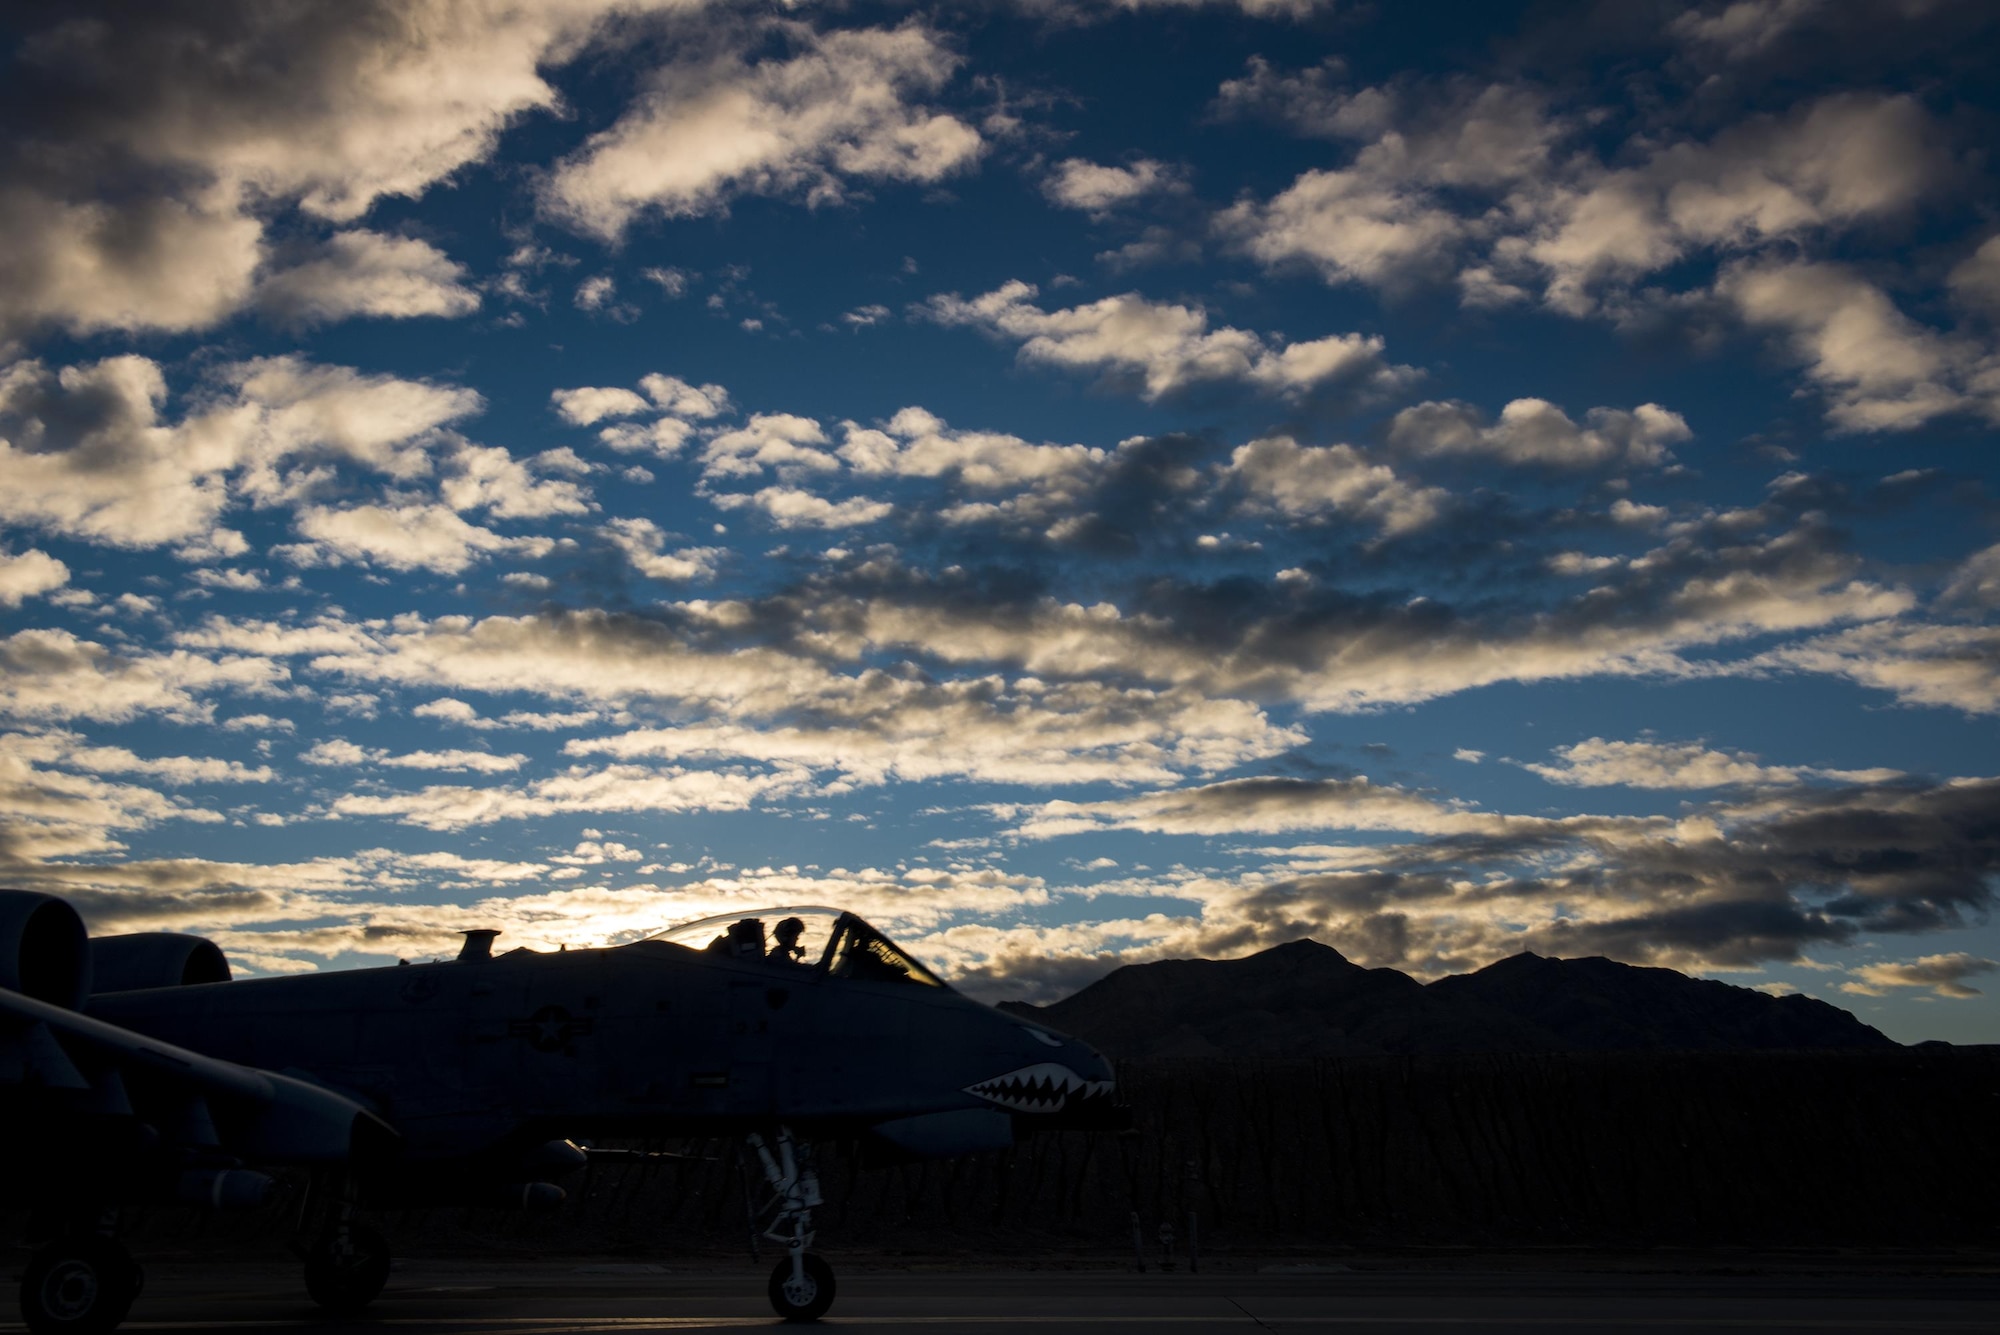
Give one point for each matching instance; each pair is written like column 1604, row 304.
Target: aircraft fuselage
column 648, row 1038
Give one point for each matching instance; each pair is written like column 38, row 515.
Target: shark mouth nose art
column 1045, row 1087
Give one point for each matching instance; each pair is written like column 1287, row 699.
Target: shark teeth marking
column 1045, row 1087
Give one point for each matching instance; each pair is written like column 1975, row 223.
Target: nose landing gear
column 802, row 1286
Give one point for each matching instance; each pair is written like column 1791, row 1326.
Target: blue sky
column 1076, row 483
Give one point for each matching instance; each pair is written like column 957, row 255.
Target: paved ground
column 547, row 1297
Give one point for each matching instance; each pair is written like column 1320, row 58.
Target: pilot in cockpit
column 743, row 940
column 787, row 949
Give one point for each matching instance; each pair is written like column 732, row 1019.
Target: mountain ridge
column 1305, row 999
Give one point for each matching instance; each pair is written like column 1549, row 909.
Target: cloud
column 89, row 453
column 1256, row 806
column 784, row 442
column 147, row 149
column 481, row 477
column 847, row 106
column 1416, row 135
column 83, row 455
column 1330, row 649
column 1490, row 185
column 1727, row 885
column 53, row 675
column 379, row 903
column 764, row 705
column 367, row 273
column 339, row 753
column 55, row 813
column 1076, row 183
column 1083, row 10
column 1976, row 581
column 1536, row 433
column 1975, row 282
column 85, row 451
column 413, row 536
column 1311, row 481
column 678, row 398
column 279, row 412
column 877, row 729
column 1348, row 227
column 71, row 750
column 1956, row 667
column 616, row 788
column 1161, row 350
column 641, row 541
column 258, row 723
column 1741, row 29
column 464, row 715
column 1944, row 975
column 1597, row 763
column 1393, row 216
column 586, row 406
column 680, row 407
column 1881, row 370
column 918, row 444
column 789, row 507
column 24, row 576
column 1844, row 159
column 673, row 282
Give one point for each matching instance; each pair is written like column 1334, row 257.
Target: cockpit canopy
column 825, row 941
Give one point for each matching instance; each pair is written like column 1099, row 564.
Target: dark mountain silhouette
column 1304, row 999
column 1600, row 1005
column 1298, row 999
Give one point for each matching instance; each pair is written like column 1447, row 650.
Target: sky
column 1075, row 482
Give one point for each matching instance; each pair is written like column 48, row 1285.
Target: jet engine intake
column 154, row 959
column 224, row 1188
column 947, row 1134
column 44, row 949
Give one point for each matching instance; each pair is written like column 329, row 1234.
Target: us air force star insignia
column 550, row 1029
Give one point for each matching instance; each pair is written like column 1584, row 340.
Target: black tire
column 344, row 1284
column 802, row 1303
column 79, row 1286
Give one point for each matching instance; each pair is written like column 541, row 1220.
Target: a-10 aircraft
column 143, row 1075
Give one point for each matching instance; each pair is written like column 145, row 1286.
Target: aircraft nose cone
column 1092, row 1065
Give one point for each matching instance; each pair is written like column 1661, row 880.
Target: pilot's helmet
column 790, row 930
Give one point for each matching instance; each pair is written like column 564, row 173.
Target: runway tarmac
column 582, row 1297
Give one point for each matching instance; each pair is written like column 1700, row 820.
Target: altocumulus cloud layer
column 1075, row 483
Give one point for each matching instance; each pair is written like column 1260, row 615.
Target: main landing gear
column 801, row 1286
column 79, row 1284
column 348, row 1263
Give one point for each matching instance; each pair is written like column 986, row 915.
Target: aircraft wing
column 255, row 1114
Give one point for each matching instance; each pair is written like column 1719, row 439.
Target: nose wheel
column 804, row 1296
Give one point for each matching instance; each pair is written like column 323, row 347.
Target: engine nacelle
column 154, row 959
column 44, row 949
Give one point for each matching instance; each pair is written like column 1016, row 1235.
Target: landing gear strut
column 801, row 1286
column 348, row 1263
column 80, row 1284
